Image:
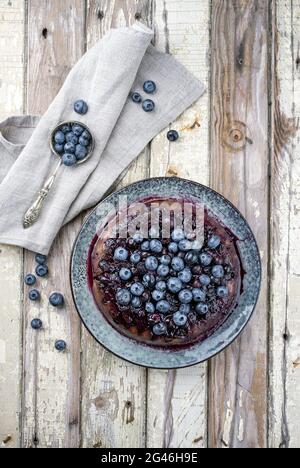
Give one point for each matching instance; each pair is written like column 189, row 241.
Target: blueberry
column 83, row 141
column 205, row 259
column 151, row 263
column 179, row 319
column 178, row 235
column 137, row 238
column 69, row 148
column 125, row 274
column 161, row 286
column 149, row 280
column 136, row 97
column 145, row 246
column 81, row 107
column 86, row 135
column 191, row 258
column 185, row 309
column 156, row 246
column 71, row 138
column 174, row 285
column 41, row 270
column 60, row 345
column 214, row 242
column 159, row 329
column 69, row 159
column 59, row 148
column 148, row 105
column 163, row 270
column 165, row 260
column 77, row 130
column 172, row 135
column 123, row 297
column 56, row 299
column 204, row 280
column 135, row 258
column 65, row 128
column 202, row 309
column 158, row 295
column 34, row 295
column 30, row 280
column 81, row 152
column 59, row 137
column 185, row 296
column 36, row 324
column 177, row 264
column 218, row 271
column 149, row 308
column 40, row 259
column 185, row 275
column 149, row 87
column 121, row 254
column 136, row 302
column 199, row 295
column 222, row 291
column 184, row 245
column 163, row 307
column 173, row 247
column 137, row 289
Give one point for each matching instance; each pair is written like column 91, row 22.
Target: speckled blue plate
column 148, row 356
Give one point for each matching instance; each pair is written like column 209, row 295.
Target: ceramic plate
column 148, row 356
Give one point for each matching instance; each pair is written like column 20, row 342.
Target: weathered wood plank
column 177, row 399
column 56, row 40
column 113, row 391
column 239, row 170
column 284, row 406
column 11, row 258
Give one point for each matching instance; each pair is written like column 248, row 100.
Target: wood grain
column 177, row 399
column 51, row 413
column 11, row 258
column 239, row 170
column 284, row 405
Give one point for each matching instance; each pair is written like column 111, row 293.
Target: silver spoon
column 33, row 213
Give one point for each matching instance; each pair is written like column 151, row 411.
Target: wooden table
column 241, row 139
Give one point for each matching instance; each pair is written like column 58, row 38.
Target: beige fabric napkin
column 121, row 62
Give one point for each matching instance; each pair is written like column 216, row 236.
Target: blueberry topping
column 185, row 296
column 30, row 280
column 218, row 271
column 177, row 264
column 163, row 270
column 123, row 297
column 185, row 309
column 137, row 289
column 77, row 130
column 191, row 258
column 40, row 259
column 56, row 299
column 156, row 246
column 36, row 324
column 173, row 247
column 205, row 259
column 148, row 105
column 135, row 258
column 158, row 295
column 149, row 308
column 163, row 307
column 149, row 87
column 59, row 137
column 174, row 285
column 149, row 280
column 136, row 97
column 81, row 107
column 178, row 235
column 41, row 270
column 121, row 254
column 136, row 302
column 202, row 309
column 161, row 286
column 151, row 263
column 159, row 329
column 214, row 242
column 60, row 345
column 172, row 135
column 59, row 148
column 69, row 148
column 71, row 138
column 199, row 295
column 185, row 275
column 179, row 319
column 34, row 295
column 204, row 280
column 81, row 152
column 138, row 238
column 69, row 159
column 145, row 246
column 165, row 260
column 184, row 245
column 125, row 274
column 222, row 291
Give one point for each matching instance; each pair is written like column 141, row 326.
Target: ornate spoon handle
column 34, row 211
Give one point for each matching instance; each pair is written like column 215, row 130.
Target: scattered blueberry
column 59, row 148
column 148, row 105
column 56, row 299
column 205, row 259
column 149, row 308
column 214, row 242
column 163, row 307
column 60, row 345
column 123, row 297
column 151, row 263
column 34, row 295
column 218, row 271
column 199, row 295
column 185, row 275
column 41, row 270
column 163, row 270
column 81, row 107
column 149, row 280
column 136, row 302
column 161, row 286
column 137, row 289
column 137, row 238
column 185, row 296
column 174, row 285
column 149, row 87
column 173, row 247
column 30, row 280
column 158, row 295
column 36, row 324
column 159, row 329
column 59, row 137
column 184, row 245
column 66, row 128
column 222, row 291
column 81, row 152
column 172, row 135
column 179, row 319
column 202, row 309
column 185, row 309
column 136, row 97
column 191, row 258
column 135, row 258
column 125, row 274
column 69, row 148
column 204, row 280
column 69, row 159
column 156, row 246
column 40, row 259
column 178, row 235
column 121, row 254
column 165, row 260
column 71, row 138
column 77, row 129
column 145, row 246
column 177, row 264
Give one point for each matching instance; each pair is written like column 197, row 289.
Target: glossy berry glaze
column 163, row 323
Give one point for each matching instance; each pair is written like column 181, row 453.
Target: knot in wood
column 234, row 137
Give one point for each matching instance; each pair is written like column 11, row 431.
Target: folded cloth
column 119, row 63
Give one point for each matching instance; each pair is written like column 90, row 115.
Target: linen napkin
column 118, row 64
